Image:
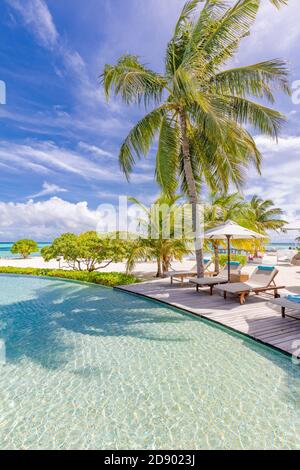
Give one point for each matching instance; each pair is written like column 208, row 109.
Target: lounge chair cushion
column 235, row 288
column 266, row 268
column 260, row 279
column 207, row 281
column 294, row 298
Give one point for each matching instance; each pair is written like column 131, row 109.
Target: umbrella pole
column 228, row 248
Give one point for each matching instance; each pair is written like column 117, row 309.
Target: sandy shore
column 288, row 275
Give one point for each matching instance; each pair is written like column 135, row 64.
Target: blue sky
column 59, row 139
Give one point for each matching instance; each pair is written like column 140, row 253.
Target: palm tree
column 262, row 216
column 201, row 109
column 219, row 209
column 159, row 239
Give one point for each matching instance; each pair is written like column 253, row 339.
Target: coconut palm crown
column 262, row 215
column 159, row 240
column 201, row 109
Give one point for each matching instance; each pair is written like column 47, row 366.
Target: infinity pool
column 90, row 368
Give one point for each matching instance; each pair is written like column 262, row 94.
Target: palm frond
column 243, row 111
column 231, row 27
column 168, row 153
column 254, row 79
column 187, row 12
column 210, row 14
column 224, row 162
column 140, row 138
column 279, row 3
column 263, row 216
column 175, row 53
column 133, row 81
column 186, row 90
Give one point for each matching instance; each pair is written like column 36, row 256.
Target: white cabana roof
column 232, row 230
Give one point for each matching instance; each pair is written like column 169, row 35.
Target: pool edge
column 221, row 326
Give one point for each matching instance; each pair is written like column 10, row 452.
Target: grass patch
column 243, row 259
column 104, row 279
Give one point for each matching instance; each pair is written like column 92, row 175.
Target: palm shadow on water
column 36, row 328
column 45, row 328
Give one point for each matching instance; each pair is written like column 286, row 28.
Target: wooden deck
column 257, row 319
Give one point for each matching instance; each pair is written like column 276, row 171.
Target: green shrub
column 241, row 258
column 88, row 251
column 25, row 248
column 104, row 279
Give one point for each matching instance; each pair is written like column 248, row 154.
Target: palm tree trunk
column 192, row 192
column 216, row 256
column 165, row 265
column 159, row 270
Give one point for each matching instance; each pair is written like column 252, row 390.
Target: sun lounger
column 290, row 302
column 286, row 256
column 261, row 281
column 181, row 275
column 222, row 277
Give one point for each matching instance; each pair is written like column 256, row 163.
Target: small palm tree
column 262, row 216
column 201, row 108
column 159, row 239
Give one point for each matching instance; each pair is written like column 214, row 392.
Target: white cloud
column 48, row 189
column 280, row 174
column 60, row 123
column 47, row 157
column 45, row 220
column 44, row 157
column 94, row 150
column 269, row 22
column 284, row 144
column 38, row 20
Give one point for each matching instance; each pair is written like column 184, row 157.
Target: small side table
column 239, row 277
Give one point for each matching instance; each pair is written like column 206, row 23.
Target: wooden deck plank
column 257, row 318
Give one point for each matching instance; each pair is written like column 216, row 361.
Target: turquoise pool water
column 90, row 368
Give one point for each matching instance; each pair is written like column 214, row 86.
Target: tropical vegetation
column 202, row 111
column 162, row 234
column 261, row 215
column 105, row 279
column 25, row 248
column 88, row 251
column 242, row 259
column 257, row 214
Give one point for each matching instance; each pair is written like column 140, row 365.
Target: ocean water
column 5, row 248
column 282, row 246
column 91, row 368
